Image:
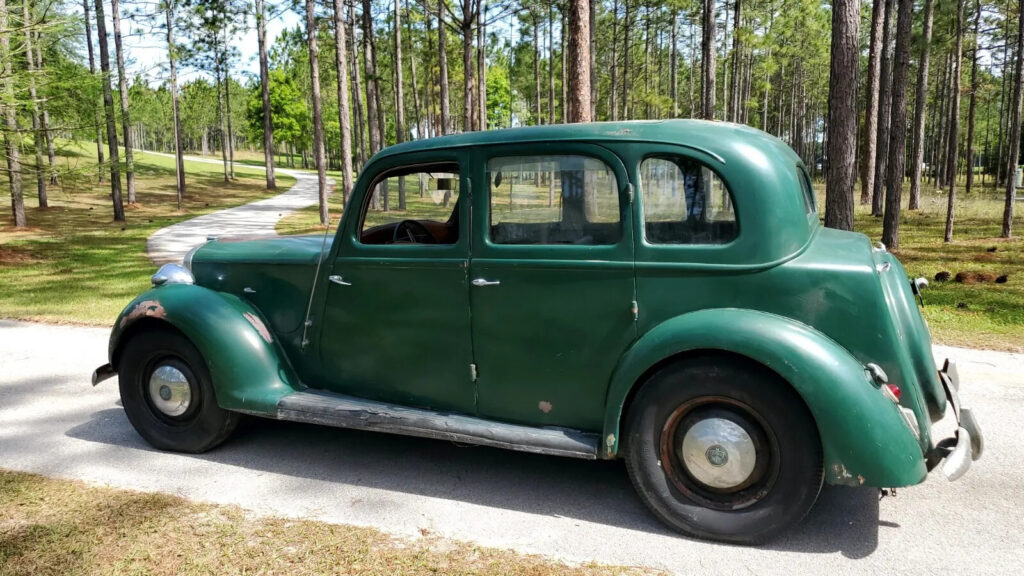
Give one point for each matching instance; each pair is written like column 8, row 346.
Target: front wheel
column 168, row 395
column 723, row 449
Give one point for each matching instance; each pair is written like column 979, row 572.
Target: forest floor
column 74, row 264
column 976, row 312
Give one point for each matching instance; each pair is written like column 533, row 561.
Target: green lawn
column 74, row 264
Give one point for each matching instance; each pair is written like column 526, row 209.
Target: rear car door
column 551, row 281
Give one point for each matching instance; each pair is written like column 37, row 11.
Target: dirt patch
column 16, row 256
column 975, row 277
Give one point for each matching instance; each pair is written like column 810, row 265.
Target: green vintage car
column 659, row 292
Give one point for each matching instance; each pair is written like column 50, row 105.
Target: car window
column 553, row 200
column 808, row 190
column 685, row 202
column 413, row 206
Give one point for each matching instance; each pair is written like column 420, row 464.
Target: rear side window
column 685, row 202
column 553, row 200
column 808, row 190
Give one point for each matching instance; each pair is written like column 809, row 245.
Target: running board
column 330, row 409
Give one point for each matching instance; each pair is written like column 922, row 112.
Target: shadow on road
column 845, row 520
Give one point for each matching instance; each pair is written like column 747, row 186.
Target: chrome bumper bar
column 955, row 454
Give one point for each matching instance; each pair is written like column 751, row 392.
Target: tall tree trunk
column 674, row 64
column 737, row 47
column 357, row 98
column 230, row 137
column 869, row 141
column 693, row 70
column 842, row 119
column 481, row 66
column 551, row 64
column 920, row 100
column 1004, row 118
column 707, row 105
column 318, row 118
column 613, row 99
column 268, row 121
column 467, row 64
column 370, row 67
column 96, row 110
column 179, row 160
column 954, row 120
column 593, row 59
column 1015, row 104
column 399, row 97
column 45, row 119
column 884, row 111
column 108, row 111
column 898, row 128
column 625, row 60
column 972, row 108
column 579, row 61
column 12, row 137
column 565, row 84
column 122, row 86
column 344, row 121
column 37, row 132
column 220, row 119
column 442, row 62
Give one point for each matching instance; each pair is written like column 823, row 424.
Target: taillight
column 892, row 392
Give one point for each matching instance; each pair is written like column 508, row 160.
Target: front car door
column 395, row 323
column 551, row 275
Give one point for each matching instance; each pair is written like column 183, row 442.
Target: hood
column 262, row 249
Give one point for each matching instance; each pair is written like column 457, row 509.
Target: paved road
column 52, row 422
column 170, row 244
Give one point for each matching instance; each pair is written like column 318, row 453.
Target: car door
column 551, row 275
column 396, row 313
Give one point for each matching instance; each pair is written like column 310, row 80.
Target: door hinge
column 635, row 309
column 472, row 372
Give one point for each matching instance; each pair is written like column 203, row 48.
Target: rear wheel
column 723, row 449
column 168, row 395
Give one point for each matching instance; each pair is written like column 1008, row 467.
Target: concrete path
column 52, row 422
column 170, row 244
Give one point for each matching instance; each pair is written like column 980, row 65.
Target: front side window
column 685, row 202
column 553, row 200
column 413, row 206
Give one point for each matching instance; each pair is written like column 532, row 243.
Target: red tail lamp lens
column 893, row 391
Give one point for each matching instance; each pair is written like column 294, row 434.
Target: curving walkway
column 170, row 244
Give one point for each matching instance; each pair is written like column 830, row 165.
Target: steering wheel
column 413, row 232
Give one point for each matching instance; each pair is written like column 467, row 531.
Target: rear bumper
column 954, row 453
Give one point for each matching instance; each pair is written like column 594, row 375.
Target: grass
column 69, row 528
column 74, row 264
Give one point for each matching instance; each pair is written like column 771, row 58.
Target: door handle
column 338, row 280
column 484, row 282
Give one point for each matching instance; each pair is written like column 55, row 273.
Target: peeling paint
column 609, row 444
column 259, row 326
column 142, row 309
column 544, row 406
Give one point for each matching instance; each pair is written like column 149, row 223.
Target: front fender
column 250, row 371
column 863, row 436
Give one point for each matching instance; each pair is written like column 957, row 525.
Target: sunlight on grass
column 74, row 264
column 60, row 527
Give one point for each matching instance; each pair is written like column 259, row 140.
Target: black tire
column 203, row 425
column 781, row 487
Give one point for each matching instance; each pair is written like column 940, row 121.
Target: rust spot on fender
column 142, row 309
column 259, row 326
column 544, row 406
column 609, row 443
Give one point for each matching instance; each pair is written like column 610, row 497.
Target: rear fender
column 250, row 371
column 863, row 436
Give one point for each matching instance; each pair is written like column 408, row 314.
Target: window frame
column 394, row 172
column 642, row 216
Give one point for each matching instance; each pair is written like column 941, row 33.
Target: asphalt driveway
column 52, row 422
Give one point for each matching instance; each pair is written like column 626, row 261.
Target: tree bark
column 625, row 61
column 613, row 100
column 179, row 163
column 869, row 141
column 108, row 112
column 344, row 121
column 707, row 104
column 898, row 131
column 96, row 110
column 399, row 96
column 37, row 132
column 593, row 59
column 12, row 138
column 442, row 63
column 122, row 86
column 884, row 111
column 842, row 119
column 551, row 64
column 318, row 119
column 579, row 61
column 954, row 120
column 45, row 120
column 737, row 46
column 972, row 108
column 920, row 100
column 481, row 66
column 357, row 98
column 1015, row 103
column 674, row 65
column 220, row 119
column 370, row 67
column 268, row 121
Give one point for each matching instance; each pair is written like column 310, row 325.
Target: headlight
column 172, row 274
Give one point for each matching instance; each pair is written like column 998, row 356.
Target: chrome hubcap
column 718, row 453
column 169, row 390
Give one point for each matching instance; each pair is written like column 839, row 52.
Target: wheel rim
column 170, row 391
column 719, row 452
